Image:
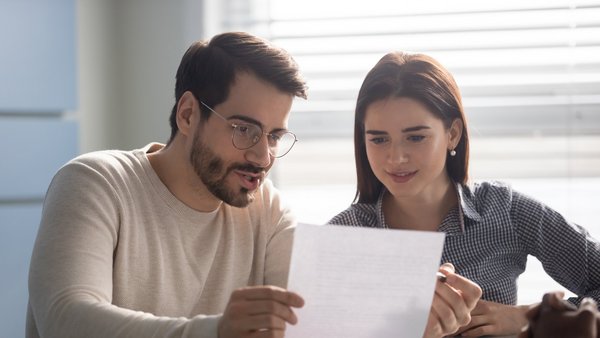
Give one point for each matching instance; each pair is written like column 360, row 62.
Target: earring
column 453, row 152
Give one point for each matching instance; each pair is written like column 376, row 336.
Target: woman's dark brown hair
column 421, row 78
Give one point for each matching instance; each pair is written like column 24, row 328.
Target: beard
column 211, row 170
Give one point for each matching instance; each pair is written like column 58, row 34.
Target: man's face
column 230, row 174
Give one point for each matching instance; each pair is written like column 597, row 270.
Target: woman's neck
column 424, row 212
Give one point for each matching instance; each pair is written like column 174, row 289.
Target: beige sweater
column 117, row 255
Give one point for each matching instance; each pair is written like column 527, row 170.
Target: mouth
column 402, row 176
column 249, row 180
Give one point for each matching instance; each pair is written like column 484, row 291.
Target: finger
column 471, row 292
column 445, row 270
column 451, row 303
column 263, row 322
column 586, row 314
column 588, row 303
column 481, row 308
column 442, row 320
column 479, row 331
column 269, row 293
column 533, row 312
column 448, row 267
column 265, row 307
column 267, row 334
column 444, row 312
column 554, row 300
column 475, row 322
column 525, row 333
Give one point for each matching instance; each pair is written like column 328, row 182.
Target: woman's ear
column 186, row 107
column 455, row 133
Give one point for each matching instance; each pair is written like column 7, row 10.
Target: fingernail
column 448, row 266
column 587, row 301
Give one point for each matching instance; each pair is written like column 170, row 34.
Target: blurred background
column 85, row 75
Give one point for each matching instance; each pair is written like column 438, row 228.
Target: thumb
column 449, row 267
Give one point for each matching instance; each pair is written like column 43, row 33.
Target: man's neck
column 173, row 167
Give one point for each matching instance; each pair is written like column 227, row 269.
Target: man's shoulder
column 106, row 161
column 112, row 167
column 102, row 158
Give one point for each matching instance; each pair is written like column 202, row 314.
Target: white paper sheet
column 363, row 282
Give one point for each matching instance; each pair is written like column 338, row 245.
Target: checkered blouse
column 491, row 233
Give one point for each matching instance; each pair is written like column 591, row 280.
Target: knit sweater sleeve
column 70, row 283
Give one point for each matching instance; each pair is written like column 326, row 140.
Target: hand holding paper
column 455, row 297
column 363, row 282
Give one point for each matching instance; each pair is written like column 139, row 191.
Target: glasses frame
column 234, row 127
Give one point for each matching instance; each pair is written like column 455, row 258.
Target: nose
column 398, row 154
column 260, row 153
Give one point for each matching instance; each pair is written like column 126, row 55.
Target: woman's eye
column 378, row 140
column 416, row 138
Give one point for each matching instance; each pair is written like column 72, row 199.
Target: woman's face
column 406, row 145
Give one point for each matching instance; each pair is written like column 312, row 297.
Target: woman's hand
column 489, row 318
column 452, row 303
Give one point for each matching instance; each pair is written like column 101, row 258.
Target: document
column 363, row 282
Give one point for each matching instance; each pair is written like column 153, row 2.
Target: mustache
column 246, row 167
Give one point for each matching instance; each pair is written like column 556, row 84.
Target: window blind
column 525, row 68
column 522, row 66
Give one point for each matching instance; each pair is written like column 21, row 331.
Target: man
column 153, row 242
column 187, row 239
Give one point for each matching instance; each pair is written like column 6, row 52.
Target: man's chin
column 242, row 200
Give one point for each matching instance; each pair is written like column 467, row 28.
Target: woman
column 412, row 154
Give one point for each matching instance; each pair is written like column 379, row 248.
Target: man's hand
column 452, row 303
column 259, row 311
column 555, row 317
column 490, row 318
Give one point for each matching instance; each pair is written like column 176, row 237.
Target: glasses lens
column 284, row 144
column 246, row 135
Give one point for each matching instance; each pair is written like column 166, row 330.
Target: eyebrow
column 415, row 128
column 405, row 130
column 250, row 120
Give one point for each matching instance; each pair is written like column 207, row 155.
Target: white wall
column 128, row 53
column 37, row 135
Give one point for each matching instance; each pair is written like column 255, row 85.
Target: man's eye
column 275, row 138
column 242, row 128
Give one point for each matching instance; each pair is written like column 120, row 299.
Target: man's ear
column 455, row 133
column 186, row 109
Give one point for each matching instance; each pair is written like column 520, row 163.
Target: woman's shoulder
column 490, row 191
column 357, row 214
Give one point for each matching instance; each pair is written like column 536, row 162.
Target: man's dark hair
column 208, row 69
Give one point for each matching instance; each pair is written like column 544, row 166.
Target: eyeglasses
column 246, row 135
